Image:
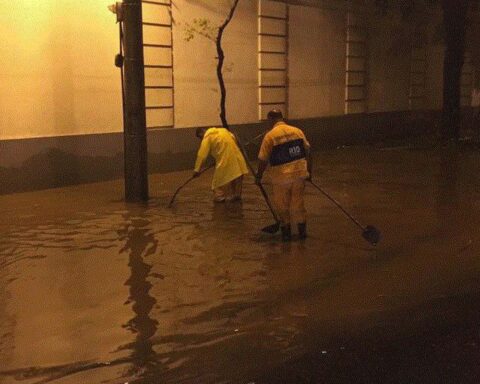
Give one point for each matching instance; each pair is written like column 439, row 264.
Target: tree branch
column 221, row 59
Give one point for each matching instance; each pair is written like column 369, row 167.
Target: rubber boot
column 302, row 230
column 286, row 233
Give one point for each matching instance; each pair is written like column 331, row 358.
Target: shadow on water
column 140, row 242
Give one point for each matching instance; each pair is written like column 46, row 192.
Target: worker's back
column 292, row 164
column 229, row 163
column 222, row 144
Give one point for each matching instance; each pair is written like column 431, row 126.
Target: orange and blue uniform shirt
column 285, row 148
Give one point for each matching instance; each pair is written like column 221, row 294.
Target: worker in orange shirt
column 287, row 150
column 230, row 165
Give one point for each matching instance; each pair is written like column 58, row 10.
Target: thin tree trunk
column 221, row 59
column 455, row 15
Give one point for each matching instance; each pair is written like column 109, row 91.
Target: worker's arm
column 263, row 157
column 202, row 155
column 262, row 166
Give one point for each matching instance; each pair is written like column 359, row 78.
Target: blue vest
column 287, row 152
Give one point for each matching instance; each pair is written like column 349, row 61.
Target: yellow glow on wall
column 30, row 11
column 56, row 66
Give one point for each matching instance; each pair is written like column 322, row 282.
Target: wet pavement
column 93, row 290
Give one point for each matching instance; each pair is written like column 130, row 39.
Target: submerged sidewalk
column 93, row 290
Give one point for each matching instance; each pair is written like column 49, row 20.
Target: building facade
column 343, row 72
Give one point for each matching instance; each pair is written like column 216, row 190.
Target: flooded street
column 93, row 290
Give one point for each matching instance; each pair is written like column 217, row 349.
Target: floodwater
column 93, row 290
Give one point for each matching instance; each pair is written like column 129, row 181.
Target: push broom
column 369, row 232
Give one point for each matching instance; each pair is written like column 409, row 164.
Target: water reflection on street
column 93, row 290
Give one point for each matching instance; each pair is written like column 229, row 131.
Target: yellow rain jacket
column 229, row 161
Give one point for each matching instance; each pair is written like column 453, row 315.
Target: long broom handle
column 338, row 205
column 185, row 183
column 267, row 200
column 260, row 186
column 253, row 141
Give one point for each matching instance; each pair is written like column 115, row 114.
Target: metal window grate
column 467, row 81
column 272, row 57
column 356, row 72
column 158, row 52
column 418, row 75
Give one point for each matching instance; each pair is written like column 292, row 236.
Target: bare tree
column 204, row 27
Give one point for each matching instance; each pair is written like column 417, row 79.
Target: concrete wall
column 58, row 78
column 389, row 62
column 316, row 62
column 197, row 94
column 37, row 163
column 56, row 69
column 60, row 98
column 434, row 76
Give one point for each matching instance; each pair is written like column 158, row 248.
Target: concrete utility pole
column 135, row 130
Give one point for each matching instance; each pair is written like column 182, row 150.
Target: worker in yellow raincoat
column 230, row 165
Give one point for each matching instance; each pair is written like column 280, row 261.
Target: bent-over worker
column 230, row 164
column 287, row 150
